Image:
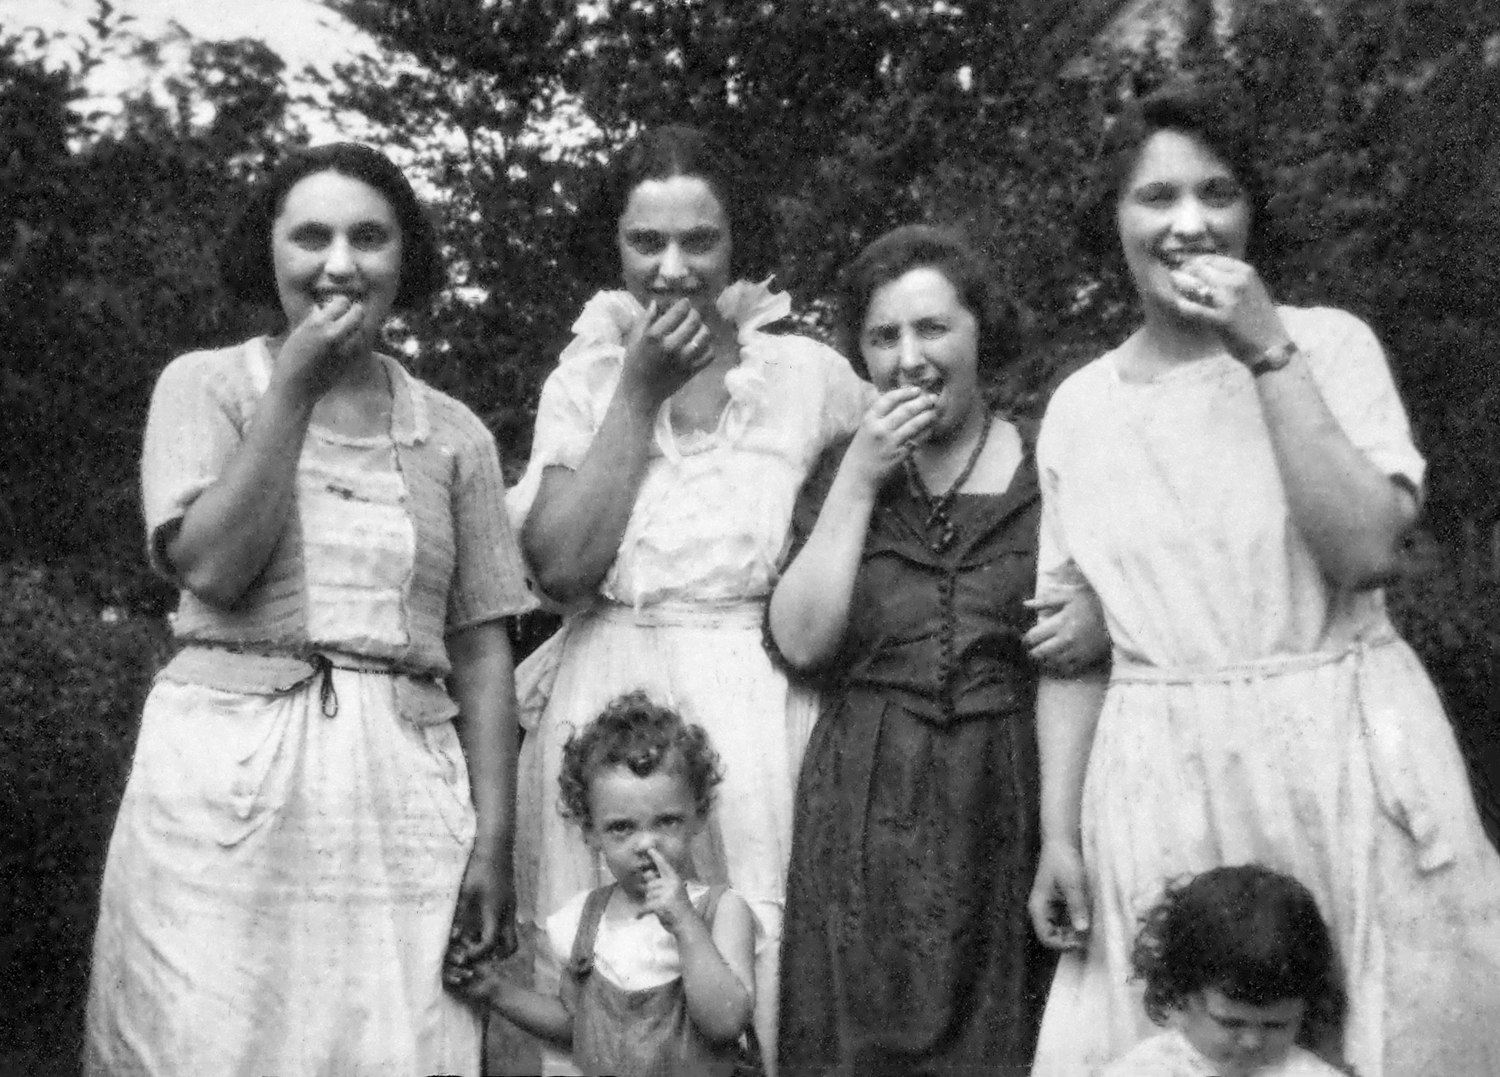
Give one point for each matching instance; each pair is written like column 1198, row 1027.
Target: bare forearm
column 573, row 532
column 1067, row 713
column 718, row 1002
column 1351, row 514
column 483, row 686
column 228, row 533
column 539, row 1014
column 810, row 606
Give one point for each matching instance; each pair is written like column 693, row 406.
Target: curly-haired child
column 658, row 970
column 1240, row 967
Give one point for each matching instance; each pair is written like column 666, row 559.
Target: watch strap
column 1272, row 359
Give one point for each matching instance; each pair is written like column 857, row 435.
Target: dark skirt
column 907, row 947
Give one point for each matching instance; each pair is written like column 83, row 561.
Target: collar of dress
column 599, row 345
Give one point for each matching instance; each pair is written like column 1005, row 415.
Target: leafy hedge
column 75, row 674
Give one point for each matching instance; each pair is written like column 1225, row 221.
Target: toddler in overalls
column 658, row 978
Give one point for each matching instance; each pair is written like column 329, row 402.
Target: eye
column 370, row 236
column 617, row 828
column 931, row 328
column 882, row 336
column 1222, row 193
column 1155, row 194
column 669, row 822
column 646, row 242
column 701, row 240
column 311, row 237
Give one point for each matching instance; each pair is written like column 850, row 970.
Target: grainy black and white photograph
column 750, row 538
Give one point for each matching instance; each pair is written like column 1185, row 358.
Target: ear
column 591, row 837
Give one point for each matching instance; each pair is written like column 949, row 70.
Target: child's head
column 1241, row 960
column 638, row 777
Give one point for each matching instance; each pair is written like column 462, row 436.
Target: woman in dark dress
column 907, row 947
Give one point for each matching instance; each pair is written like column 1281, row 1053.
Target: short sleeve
column 1354, row 377
column 192, row 430
column 571, row 409
column 1057, row 574
column 489, row 577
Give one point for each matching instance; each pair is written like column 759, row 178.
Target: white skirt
column 280, row 889
column 1339, row 769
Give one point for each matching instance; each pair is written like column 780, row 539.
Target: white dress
column 1169, row 1054
column 680, row 611
column 282, row 880
column 1256, row 713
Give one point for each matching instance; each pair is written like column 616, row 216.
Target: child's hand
column 666, row 895
column 479, row 981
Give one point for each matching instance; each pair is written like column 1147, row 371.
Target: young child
column 658, row 972
column 1240, row 967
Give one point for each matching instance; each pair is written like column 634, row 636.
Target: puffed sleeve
column 1354, row 377
column 846, row 397
column 569, row 414
column 1057, row 574
column 489, row 577
column 192, row 429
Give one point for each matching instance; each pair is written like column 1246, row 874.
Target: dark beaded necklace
column 938, row 505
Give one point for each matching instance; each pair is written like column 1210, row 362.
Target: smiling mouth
column 1178, row 257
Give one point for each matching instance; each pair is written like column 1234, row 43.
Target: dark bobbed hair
column 1211, row 112
column 245, row 262
column 978, row 284
column 635, row 732
column 1254, row 934
column 660, row 153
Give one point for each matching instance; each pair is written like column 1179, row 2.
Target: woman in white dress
column 670, row 444
column 1234, row 482
column 300, row 824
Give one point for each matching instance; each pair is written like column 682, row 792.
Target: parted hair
column 1214, row 113
column 644, row 736
column 661, row 153
column 980, row 288
column 246, row 267
column 1252, row 933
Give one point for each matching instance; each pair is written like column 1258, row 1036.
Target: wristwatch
column 1272, row 359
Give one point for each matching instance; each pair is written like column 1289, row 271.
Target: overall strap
column 582, row 958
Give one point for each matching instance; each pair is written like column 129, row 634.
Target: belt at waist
column 744, row 614
column 421, row 696
column 1406, row 789
column 1125, row 668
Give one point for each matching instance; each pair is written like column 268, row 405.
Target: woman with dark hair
column 670, row 444
column 907, row 947
column 1234, row 482
column 319, row 808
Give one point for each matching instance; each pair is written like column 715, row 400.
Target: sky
column 301, row 32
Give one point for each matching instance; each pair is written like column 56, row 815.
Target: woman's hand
column 664, row 350
column 1059, row 903
column 484, row 923
column 1070, row 634
column 1229, row 295
column 318, row 348
column 666, row 894
column 890, row 430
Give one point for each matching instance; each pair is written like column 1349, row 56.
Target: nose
column 1189, row 217
column 910, row 352
column 1250, row 1039
column 673, row 266
column 340, row 260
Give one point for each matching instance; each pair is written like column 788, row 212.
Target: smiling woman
column 300, row 808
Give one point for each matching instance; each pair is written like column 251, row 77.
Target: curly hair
column 1001, row 320
column 647, row 738
column 1250, row 932
column 245, row 263
column 1212, row 112
column 661, row 153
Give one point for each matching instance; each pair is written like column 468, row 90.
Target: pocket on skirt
column 219, row 764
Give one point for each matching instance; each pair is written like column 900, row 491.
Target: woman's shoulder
column 448, row 416
column 225, row 373
column 1322, row 323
